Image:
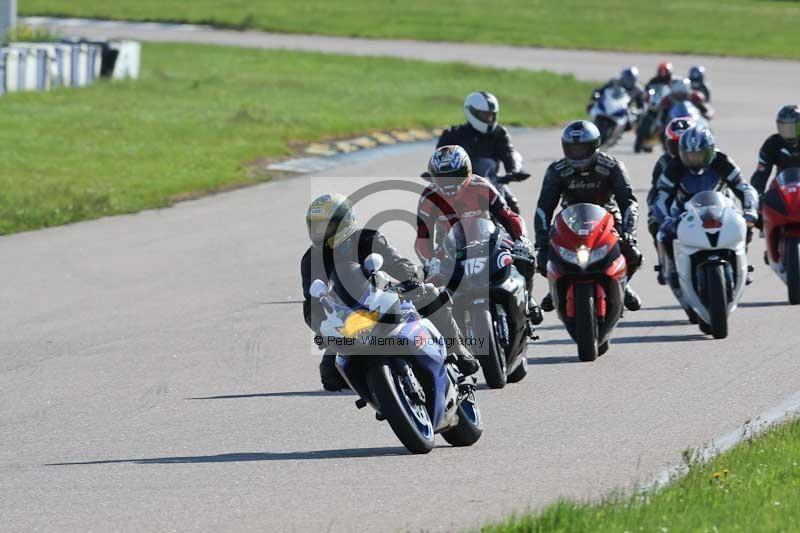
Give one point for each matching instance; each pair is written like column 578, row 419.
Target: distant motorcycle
column 780, row 207
column 611, row 114
column 490, row 301
column 397, row 362
column 709, row 271
column 648, row 131
column 587, row 276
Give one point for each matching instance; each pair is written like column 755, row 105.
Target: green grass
column 725, row 27
column 755, row 487
column 200, row 114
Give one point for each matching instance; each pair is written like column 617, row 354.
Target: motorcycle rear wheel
column 717, row 300
column 409, row 419
column 470, row 424
column 585, row 322
column 792, row 265
column 494, row 360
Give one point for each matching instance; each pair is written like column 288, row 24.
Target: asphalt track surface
column 156, row 373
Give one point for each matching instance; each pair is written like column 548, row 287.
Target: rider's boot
column 547, row 303
column 632, row 300
column 331, row 379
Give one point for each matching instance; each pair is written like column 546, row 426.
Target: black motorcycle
column 487, row 284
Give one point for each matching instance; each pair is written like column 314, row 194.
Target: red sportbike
column 780, row 208
column 587, row 275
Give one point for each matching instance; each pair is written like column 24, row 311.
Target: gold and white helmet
column 331, row 219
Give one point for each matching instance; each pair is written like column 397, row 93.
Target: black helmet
column 697, row 74
column 788, row 122
column 581, row 142
column 628, row 77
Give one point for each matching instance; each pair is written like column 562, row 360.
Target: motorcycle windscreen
column 789, row 177
column 468, row 232
column 582, row 219
column 710, row 207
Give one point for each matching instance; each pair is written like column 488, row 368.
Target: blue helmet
column 450, row 167
column 629, row 77
column 696, row 148
column 697, row 74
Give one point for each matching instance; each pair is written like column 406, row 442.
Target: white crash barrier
column 42, row 66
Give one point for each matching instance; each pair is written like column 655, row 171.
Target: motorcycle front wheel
column 717, row 300
column 791, row 261
column 493, row 360
column 585, row 322
column 407, row 416
column 470, row 424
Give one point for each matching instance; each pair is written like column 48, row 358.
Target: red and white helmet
column 673, row 131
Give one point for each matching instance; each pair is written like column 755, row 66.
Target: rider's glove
column 523, row 247
column 630, row 238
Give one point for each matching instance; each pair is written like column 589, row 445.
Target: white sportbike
column 611, row 114
column 709, row 272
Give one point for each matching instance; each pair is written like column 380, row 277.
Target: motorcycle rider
column 587, row 175
column 629, row 80
column 456, row 193
column 780, row 150
column 672, row 134
column 337, row 239
column 663, row 76
column 483, row 137
column 680, row 90
column 699, row 167
column 697, row 77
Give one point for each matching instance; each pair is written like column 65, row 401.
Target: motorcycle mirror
column 318, row 289
column 373, row 263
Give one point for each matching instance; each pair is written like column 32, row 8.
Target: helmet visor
column 672, row 147
column 317, row 230
column 696, row 160
column 789, row 130
column 579, row 153
column 449, row 182
column 489, row 117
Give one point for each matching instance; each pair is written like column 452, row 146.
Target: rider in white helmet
column 487, row 143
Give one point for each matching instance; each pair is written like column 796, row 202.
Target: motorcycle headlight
column 584, row 256
column 359, row 323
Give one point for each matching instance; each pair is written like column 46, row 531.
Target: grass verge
column 731, row 27
column 753, row 487
column 200, row 114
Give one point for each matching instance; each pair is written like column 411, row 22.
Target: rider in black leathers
column 338, row 241
column 780, row 150
column 587, row 175
column 483, row 138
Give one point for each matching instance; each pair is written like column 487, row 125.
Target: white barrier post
column 8, row 17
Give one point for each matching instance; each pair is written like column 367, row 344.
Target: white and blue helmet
column 696, row 148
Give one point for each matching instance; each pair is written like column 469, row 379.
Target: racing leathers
column 636, row 93
column 605, row 183
column 775, row 152
column 652, row 222
column 696, row 98
column 326, row 264
column 495, row 146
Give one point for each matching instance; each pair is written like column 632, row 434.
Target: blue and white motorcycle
column 397, row 362
column 611, row 114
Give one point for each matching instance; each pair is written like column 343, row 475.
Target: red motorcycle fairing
column 589, row 228
column 781, row 212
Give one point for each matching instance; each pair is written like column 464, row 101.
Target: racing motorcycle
column 610, row 113
column 648, row 132
column 490, row 301
column 397, row 362
column 587, row 275
column 709, row 270
column 780, row 208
